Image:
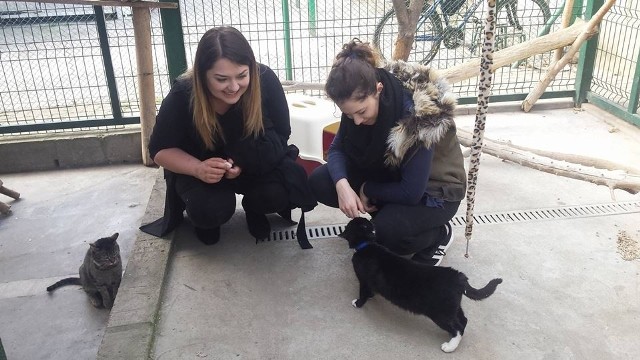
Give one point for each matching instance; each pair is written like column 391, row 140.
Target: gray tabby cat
column 100, row 272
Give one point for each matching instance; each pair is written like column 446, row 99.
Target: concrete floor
column 567, row 291
column 45, row 238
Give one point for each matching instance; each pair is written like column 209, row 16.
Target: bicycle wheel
column 519, row 20
column 425, row 45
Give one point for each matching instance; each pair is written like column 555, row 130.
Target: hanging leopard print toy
column 484, row 90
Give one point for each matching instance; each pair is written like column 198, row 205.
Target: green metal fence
column 73, row 67
column 610, row 63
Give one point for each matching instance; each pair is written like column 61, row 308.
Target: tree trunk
column 407, row 14
column 402, row 49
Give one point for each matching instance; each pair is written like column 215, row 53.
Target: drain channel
column 564, row 212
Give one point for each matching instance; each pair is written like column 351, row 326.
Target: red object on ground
column 328, row 133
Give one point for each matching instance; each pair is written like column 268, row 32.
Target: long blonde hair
column 217, row 43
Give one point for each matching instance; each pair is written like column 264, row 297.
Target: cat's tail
column 63, row 282
column 485, row 292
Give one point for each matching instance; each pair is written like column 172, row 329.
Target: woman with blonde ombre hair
column 222, row 130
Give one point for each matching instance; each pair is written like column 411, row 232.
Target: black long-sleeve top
column 175, row 128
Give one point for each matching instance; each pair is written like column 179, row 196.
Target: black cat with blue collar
column 435, row 292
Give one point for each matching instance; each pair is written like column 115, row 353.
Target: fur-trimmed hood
column 432, row 116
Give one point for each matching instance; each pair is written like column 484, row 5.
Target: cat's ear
column 114, row 236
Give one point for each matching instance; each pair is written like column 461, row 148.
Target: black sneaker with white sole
column 434, row 255
column 441, row 251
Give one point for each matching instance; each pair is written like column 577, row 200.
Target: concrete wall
column 69, row 150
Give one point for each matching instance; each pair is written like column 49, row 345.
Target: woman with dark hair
column 396, row 155
column 222, row 130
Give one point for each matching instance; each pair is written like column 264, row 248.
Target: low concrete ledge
column 132, row 322
column 69, row 150
column 127, row 342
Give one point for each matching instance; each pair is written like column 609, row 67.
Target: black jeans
column 211, row 205
column 403, row 229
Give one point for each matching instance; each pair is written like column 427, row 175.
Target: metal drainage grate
column 564, row 212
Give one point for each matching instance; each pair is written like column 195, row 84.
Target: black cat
column 432, row 291
column 100, row 272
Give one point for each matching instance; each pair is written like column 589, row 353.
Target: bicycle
column 431, row 34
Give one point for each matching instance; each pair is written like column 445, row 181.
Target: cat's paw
column 452, row 344
column 95, row 302
column 358, row 303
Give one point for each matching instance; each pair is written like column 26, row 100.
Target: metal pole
column 103, row 39
column 287, row 39
column 173, row 41
column 634, row 96
column 311, row 9
column 586, row 62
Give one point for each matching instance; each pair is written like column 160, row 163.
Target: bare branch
column 559, row 164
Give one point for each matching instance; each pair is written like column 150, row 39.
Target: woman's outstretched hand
column 212, row 170
column 348, row 201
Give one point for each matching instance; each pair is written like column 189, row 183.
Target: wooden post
column 591, row 29
column 144, row 58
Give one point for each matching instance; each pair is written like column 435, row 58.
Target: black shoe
column 258, row 225
column 208, row 236
column 434, row 255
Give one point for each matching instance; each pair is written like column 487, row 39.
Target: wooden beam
column 133, row 4
column 144, row 57
column 469, row 69
column 506, row 56
column 566, row 20
column 290, row 85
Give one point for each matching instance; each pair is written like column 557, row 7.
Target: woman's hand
column 233, row 172
column 365, row 201
column 212, row 170
column 348, row 200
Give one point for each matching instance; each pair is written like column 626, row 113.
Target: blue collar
column 362, row 245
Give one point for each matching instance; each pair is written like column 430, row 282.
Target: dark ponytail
column 353, row 74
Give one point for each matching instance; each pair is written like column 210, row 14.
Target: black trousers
column 403, row 229
column 211, row 205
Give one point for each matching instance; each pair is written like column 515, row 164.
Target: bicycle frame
column 432, row 9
